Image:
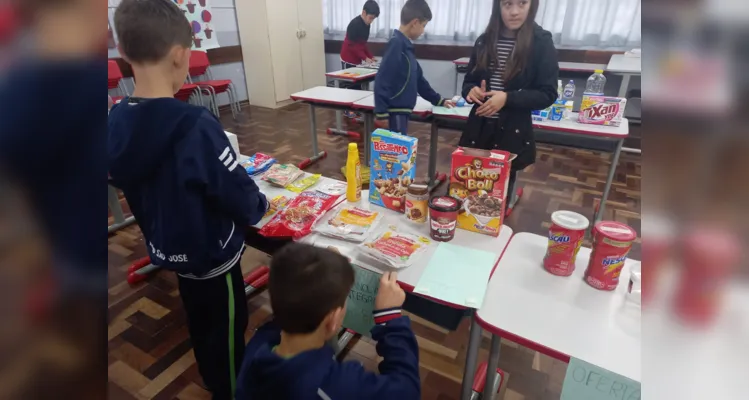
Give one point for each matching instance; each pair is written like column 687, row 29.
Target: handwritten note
column 360, row 303
column 585, row 381
column 456, row 111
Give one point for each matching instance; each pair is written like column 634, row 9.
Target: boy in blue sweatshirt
column 185, row 187
column 400, row 79
column 287, row 358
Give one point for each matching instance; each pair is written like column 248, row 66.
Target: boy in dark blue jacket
column 185, row 187
column 400, row 79
column 287, row 359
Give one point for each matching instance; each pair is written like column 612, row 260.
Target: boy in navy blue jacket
column 400, row 78
column 185, row 187
column 287, row 358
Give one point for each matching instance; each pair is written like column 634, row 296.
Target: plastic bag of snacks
column 396, row 249
column 300, row 214
column 303, row 183
column 276, row 204
column 350, row 223
column 333, row 188
column 258, row 163
column 282, row 174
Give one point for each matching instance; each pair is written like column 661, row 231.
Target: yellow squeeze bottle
column 353, row 174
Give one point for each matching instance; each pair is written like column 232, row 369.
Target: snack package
column 303, row 183
column 392, row 168
column 396, row 249
column 601, row 110
column 479, row 179
column 333, row 188
column 350, row 223
column 276, row 204
column 282, row 174
column 300, row 214
column 258, row 163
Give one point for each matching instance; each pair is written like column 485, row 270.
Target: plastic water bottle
column 595, row 83
column 569, row 90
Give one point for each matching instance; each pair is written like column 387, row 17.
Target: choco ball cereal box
column 392, row 168
column 479, row 179
column 601, row 110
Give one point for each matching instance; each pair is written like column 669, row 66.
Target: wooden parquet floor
column 149, row 352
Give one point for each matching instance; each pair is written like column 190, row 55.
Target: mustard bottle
column 353, row 174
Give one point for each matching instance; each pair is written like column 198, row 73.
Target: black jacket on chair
column 534, row 88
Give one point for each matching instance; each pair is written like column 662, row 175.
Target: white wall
column 225, row 24
column 441, row 75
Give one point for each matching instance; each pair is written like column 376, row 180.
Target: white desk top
column 409, row 276
column 329, row 95
column 584, row 67
column 566, row 125
column 367, row 103
column 361, row 73
column 462, row 61
column 572, row 126
column 564, row 314
column 624, row 65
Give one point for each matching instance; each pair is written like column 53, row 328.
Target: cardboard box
column 479, row 178
column 601, row 110
column 392, row 168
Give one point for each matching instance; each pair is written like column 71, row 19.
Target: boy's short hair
column 415, row 9
column 372, row 8
column 306, row 283
column 148, row 29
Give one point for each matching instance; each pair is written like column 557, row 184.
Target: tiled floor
column 149, row 350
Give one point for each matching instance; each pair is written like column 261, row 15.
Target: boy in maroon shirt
column 354, row 50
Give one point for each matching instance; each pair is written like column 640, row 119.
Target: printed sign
column 360, row 303
column 198, row 12
column 585, row 381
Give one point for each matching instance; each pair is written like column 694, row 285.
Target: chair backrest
column 198, row 63
column 114, row 75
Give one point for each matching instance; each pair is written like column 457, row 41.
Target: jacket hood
column 142, row 134
column 270, row 374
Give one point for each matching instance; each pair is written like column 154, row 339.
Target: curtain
column 573, row 23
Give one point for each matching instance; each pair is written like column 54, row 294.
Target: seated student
column 287, row 358
column 354, row 50
column 181, row 178
column 400, row 78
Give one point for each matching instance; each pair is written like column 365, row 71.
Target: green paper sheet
column 458, row 275
column 360, row 303
column 585, row 381
column 458, row 111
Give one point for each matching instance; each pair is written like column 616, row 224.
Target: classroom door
column 312, row 42
column 285, row 48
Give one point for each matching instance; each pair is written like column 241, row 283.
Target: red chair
column 187, row 91
column 200, row 68
column 115, row 80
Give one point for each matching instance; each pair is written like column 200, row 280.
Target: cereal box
column 392, row 168
column 479, row 179
column 601, row 110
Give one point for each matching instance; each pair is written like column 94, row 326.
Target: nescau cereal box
column 392, row 168
column 479, row 179
column 601, row 110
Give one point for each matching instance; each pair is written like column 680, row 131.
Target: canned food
column 565, row 238
column 611, row 244
column 443, row 217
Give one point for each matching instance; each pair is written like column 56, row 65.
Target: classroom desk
column 561, row 317
column 362, row 74
column 422, row 110
column 626, row 67
column 327, row 97
column 456, row 117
